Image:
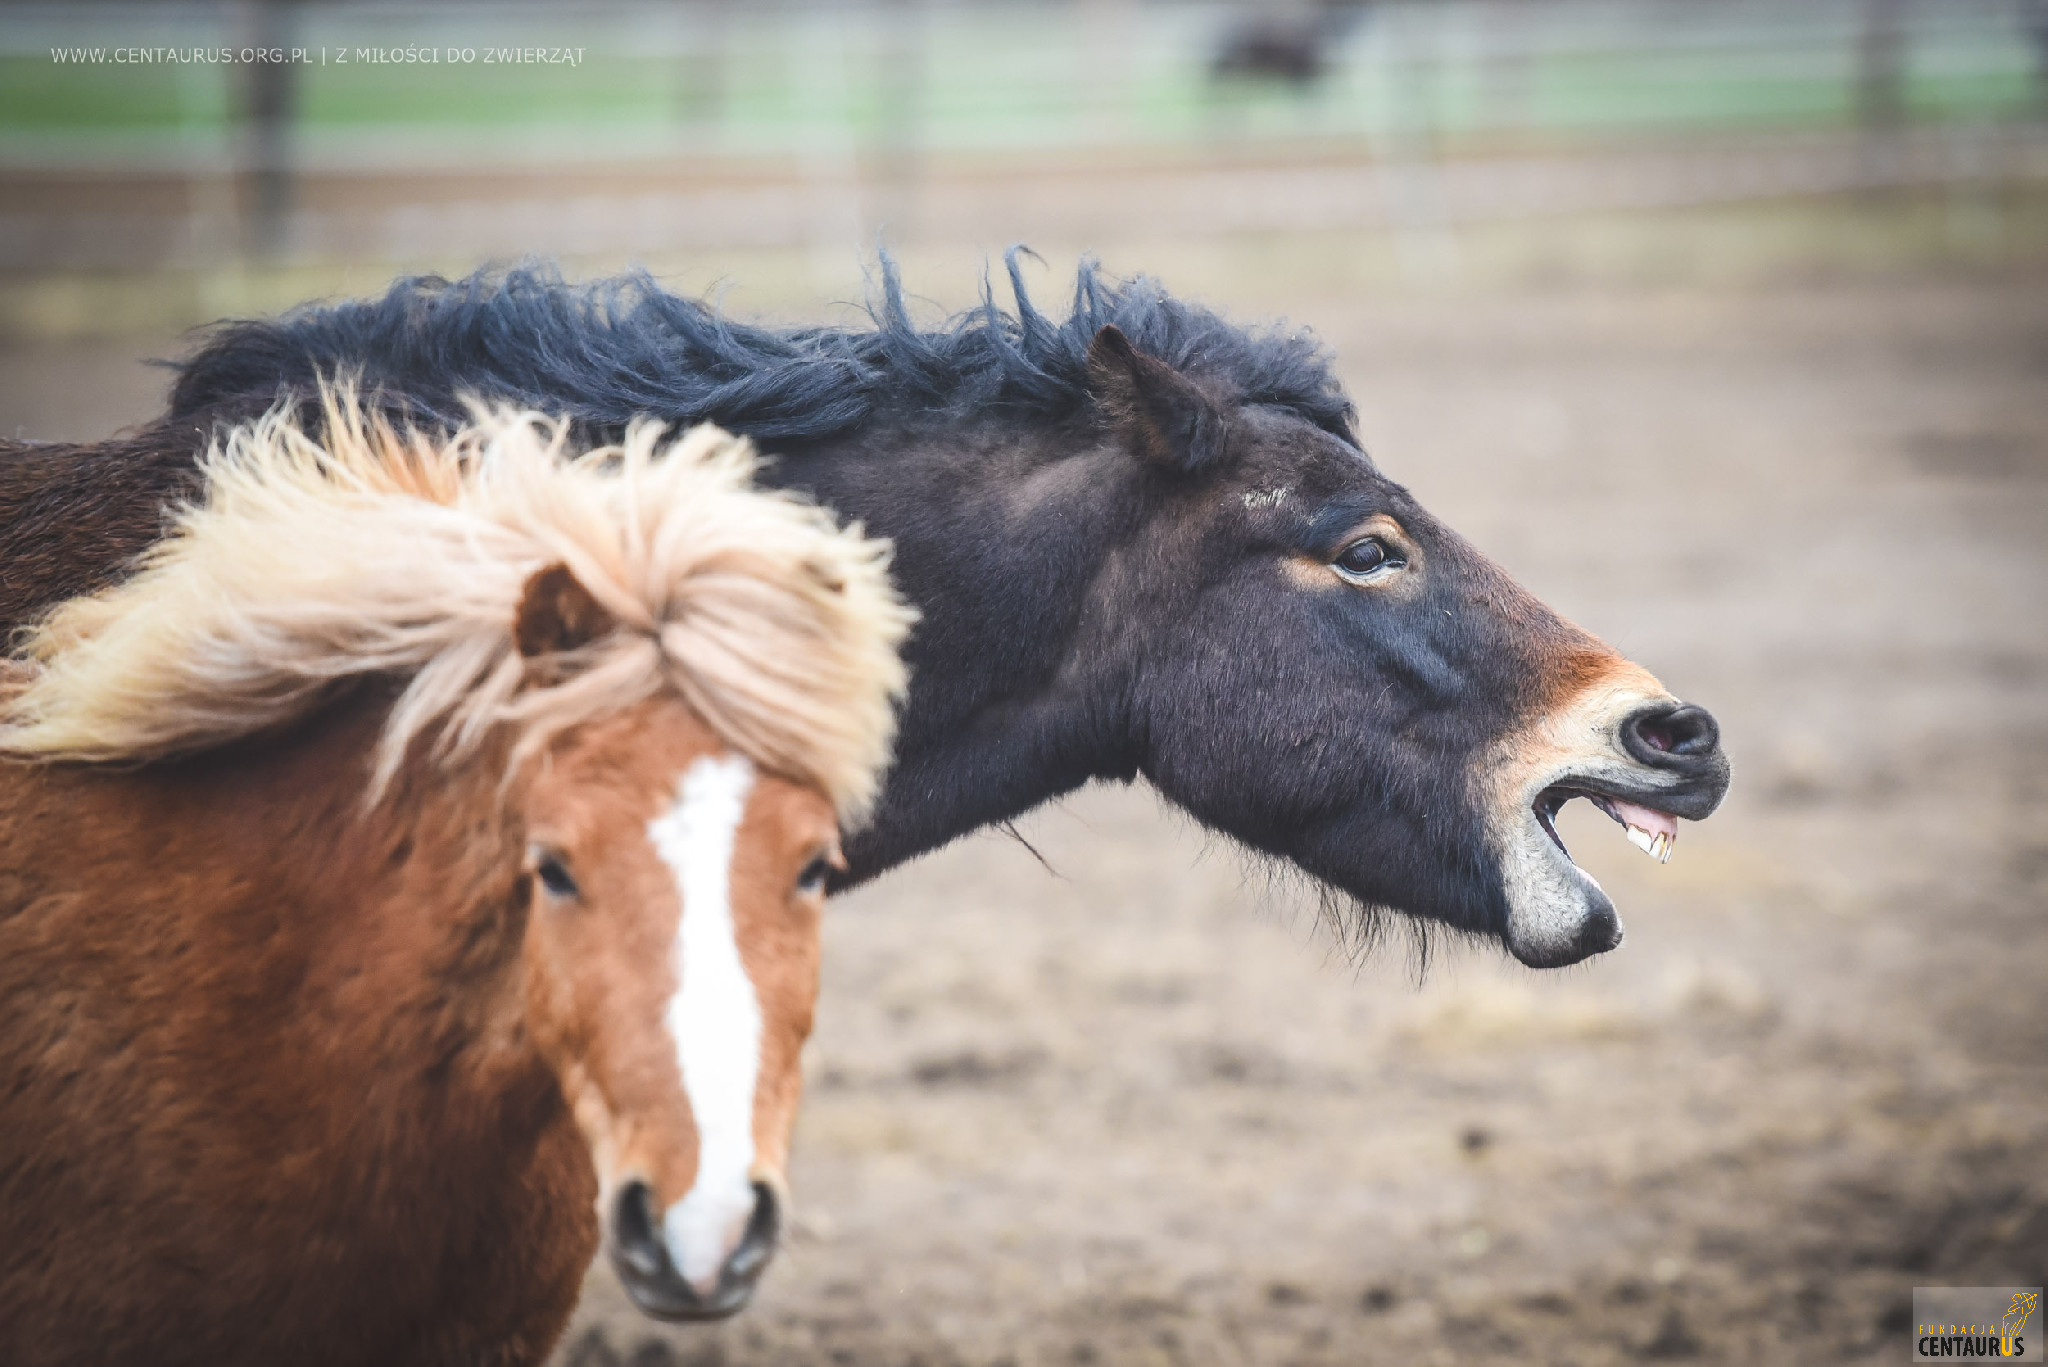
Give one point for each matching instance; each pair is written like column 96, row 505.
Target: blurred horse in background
column 409, row 878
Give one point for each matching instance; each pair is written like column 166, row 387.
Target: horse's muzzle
column 1646, row 761
column 650, row 1276
column 1680, row 744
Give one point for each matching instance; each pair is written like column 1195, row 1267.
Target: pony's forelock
column 372, row 549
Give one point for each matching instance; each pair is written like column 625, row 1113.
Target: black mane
column 605, row 351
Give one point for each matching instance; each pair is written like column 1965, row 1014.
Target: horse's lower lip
column 1597, row 932
column 1558, row 914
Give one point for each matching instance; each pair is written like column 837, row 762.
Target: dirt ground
column 1139, row 1109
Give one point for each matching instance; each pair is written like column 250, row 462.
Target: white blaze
column 715, row 1018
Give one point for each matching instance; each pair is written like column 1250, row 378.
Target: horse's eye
column 1365, row 558
column 812, row 880
column 554, row 876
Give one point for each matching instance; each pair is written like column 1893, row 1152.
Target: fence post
column 269, row 92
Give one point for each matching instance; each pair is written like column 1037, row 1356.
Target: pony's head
column 672, row 889
column 666, row 690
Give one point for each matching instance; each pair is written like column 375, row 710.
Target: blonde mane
column 372, row 550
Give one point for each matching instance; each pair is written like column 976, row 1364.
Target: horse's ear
column 1165, row 417
column 556, row 613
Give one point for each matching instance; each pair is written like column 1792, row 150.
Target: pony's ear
column 556, row 613
column 1167, row 420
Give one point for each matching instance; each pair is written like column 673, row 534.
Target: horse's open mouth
column 1653, row 832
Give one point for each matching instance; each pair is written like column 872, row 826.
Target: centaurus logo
column 1975, row 1323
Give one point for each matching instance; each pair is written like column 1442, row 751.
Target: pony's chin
column 1558, row 914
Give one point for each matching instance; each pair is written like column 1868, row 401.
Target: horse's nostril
column 633, row 1234
column 1684, row 730
column 764, row 1231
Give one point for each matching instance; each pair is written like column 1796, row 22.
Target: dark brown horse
column 1144, row 542
column 410, row 875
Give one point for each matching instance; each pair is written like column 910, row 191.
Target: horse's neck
column 999, row 536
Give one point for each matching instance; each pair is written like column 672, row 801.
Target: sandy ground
column 1138, row 1109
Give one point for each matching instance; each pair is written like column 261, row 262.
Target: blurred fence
column 143, row 136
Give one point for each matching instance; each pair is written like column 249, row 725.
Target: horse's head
column 674, row 892
column 1334, row 676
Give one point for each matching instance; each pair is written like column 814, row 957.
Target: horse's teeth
column 1670, row 844
column 1642, row 840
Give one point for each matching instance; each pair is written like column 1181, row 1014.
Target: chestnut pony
column 411, row 878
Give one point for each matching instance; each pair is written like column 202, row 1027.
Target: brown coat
column 303, row 1127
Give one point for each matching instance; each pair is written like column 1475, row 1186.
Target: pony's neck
column 1000, row 536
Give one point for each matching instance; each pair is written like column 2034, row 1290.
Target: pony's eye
column 1365, row 558
column 812, row 880
column 554, row 876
